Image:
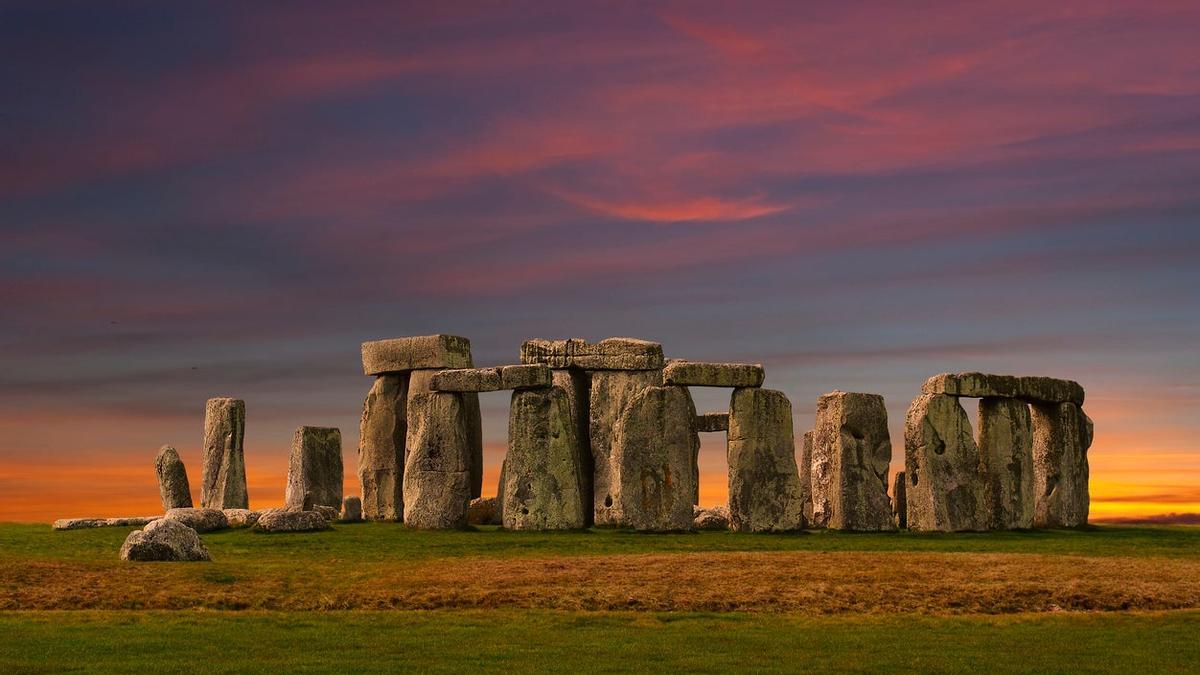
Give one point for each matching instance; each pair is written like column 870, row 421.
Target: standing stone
column 941, row 464
column 575, row 385
column 851, row 454
column 653, row 455
column 437, row 470
column 351, row 510
column 1062, row 434
column 541, row 470
column 172, row 479
column 765, row 493
column 315, row 470
column 610, row 393
column 224, row 478
column 381, row 448
column 899, row 503
column 1006, row 450
column 806, row 478
column 420, row 381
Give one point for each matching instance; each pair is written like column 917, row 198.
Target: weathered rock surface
column 173, row 485
column 420, row 381
column 200, row 520
column 1062, row 434
column 851, row 452
column 330, row 513
column 899, row 503
column 437, row 472
column 716, row 518
column 352, row 510
column 944, row 488
column 711, row 422
column 88, row 523
column 315, row 469
column 382, row 434
column 806, row 477
column 484, row 511
column 1006, row 450
column 466, row 379
column 284, row 520
column 541, row 471
column 983, row 385
column 699, row 374
column 576, row 385
column 609, row 394
column 765, row 494
column 224, row 478
column 526, row 376
column 164, row 540
column 241, row 517
column 398, row 355
column 607, row 354
column 654, row 448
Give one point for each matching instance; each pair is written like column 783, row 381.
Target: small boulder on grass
column 282, row 520
column 200, row 520
column 164, row 540
column 716, row 518
column 484, row 511
column 351, row 510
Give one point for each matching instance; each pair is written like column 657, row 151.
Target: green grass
column 382, row 541
column 570, row 642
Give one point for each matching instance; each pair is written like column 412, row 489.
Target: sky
column 226, row 199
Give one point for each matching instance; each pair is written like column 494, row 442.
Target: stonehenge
column 315, row 469
column 173, row 486
column 851, row 451
column 607, row 434
column 224, row 480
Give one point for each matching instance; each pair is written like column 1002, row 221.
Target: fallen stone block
column 173, row 485
column 716, row 518
column 851, row 454
column 352, row 510
column 607, row 354
column 200, row 520
column 944, row 490
column 1062, row 434
column 609, row 394
column 381, row 441
column 283, row 520
column 983, row 385
column 541, row 471
column 315, row 469
column 88, row 523
column 398, row 355
column 698, row 374
column 1006, row 449
column 764, row 483
column 164, row 540
column 329, row 513
column 437, row 471
column 467, row 379
column 711, row 422
column 224, row 477
column 241, row 517
column 526, row 376
column 653, row 458
column 484, row 511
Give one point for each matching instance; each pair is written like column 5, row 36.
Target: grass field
column 377, row 596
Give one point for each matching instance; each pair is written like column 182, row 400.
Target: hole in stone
column 607, row 501
column 912, row 477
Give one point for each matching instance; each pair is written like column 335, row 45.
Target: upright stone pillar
column 852, row 451
column 420, row 381
column 541, row 471
column 765, row 490
column 1062, row 434
column 381, row 448
column 172, row 480
column 437, row 469
column 1006, row 450
column 806, row 478
column 944, row 490
column 224, row 477
column 315, row 469
column 653, row 450
column 899, row 501
column 576, row 386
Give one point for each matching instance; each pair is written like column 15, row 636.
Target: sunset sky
column 228, row 198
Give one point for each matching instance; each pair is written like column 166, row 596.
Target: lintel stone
column 698, row 374
column 983, row 385
column 396, row 355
